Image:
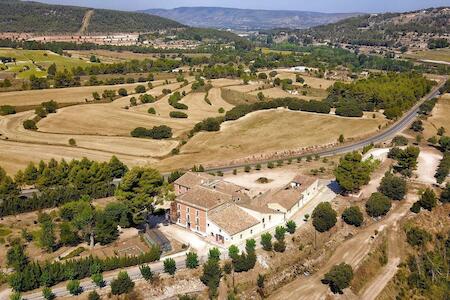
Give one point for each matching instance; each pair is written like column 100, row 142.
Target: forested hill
column 384, row 29
column 35, row 17
column 243, row 19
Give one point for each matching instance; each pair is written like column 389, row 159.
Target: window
column 196, row 212
column 240, row 236
column 251, row 231
column 270, row 217
column 196, row 228
column 263, row 220
column 196, row 221
column 178, row 206
column 188, row 210
column 207, row 224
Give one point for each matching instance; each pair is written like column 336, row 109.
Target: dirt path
column 353, row 252
column 85, row 23
column 377, row 285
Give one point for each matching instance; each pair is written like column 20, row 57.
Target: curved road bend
column 397, row 127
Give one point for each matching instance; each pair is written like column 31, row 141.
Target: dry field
column 114, row 56
column 15, row 156
column 103, row 129
column 266, row 132
column 246, row 88
column 113, row 120
column 439, row 118
column 317, row 83
column 277, row 92
column 65, row 95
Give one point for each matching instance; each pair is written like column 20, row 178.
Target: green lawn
column 38, row 61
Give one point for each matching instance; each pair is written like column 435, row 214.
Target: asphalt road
column 382, row 136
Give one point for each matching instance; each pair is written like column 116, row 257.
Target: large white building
column 227, row 213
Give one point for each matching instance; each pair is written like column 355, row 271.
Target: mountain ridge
column 246, row 19
column 37, row 17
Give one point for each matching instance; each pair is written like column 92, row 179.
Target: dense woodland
column 21, row 16
column 392, row 92
column 380, row 29
column 58, row 183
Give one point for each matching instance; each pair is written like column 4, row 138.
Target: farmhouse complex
column 228, row 213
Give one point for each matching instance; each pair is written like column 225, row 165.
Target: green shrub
column 7, row 110
column 122, row 92
column 93, row 296
column 146, row 272
column 178, row 115
column 151, row 111
column 29, row 125
column 192, row 260
column 74, row 288
column 291, row 226
column 353, row 216
column 97, row 278
column 170, row 266
column 122, row 284
column 47, row 293
column 339, row 277
column 140, row 89
column 378, row 205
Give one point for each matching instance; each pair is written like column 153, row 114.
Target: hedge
column 178, row 115
column 36, row 275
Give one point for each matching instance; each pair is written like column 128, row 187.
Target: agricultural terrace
column 36, row 62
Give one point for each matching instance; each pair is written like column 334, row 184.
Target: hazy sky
column 316, row 5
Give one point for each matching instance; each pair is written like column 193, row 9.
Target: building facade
column 224, row 212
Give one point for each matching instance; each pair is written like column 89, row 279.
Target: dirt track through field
column 353, row 252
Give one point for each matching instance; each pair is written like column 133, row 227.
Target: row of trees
column 31, row 275
column 291, row 103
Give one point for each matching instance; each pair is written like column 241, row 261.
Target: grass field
column 435, row 54
column 263, row 133
column 38, row 61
